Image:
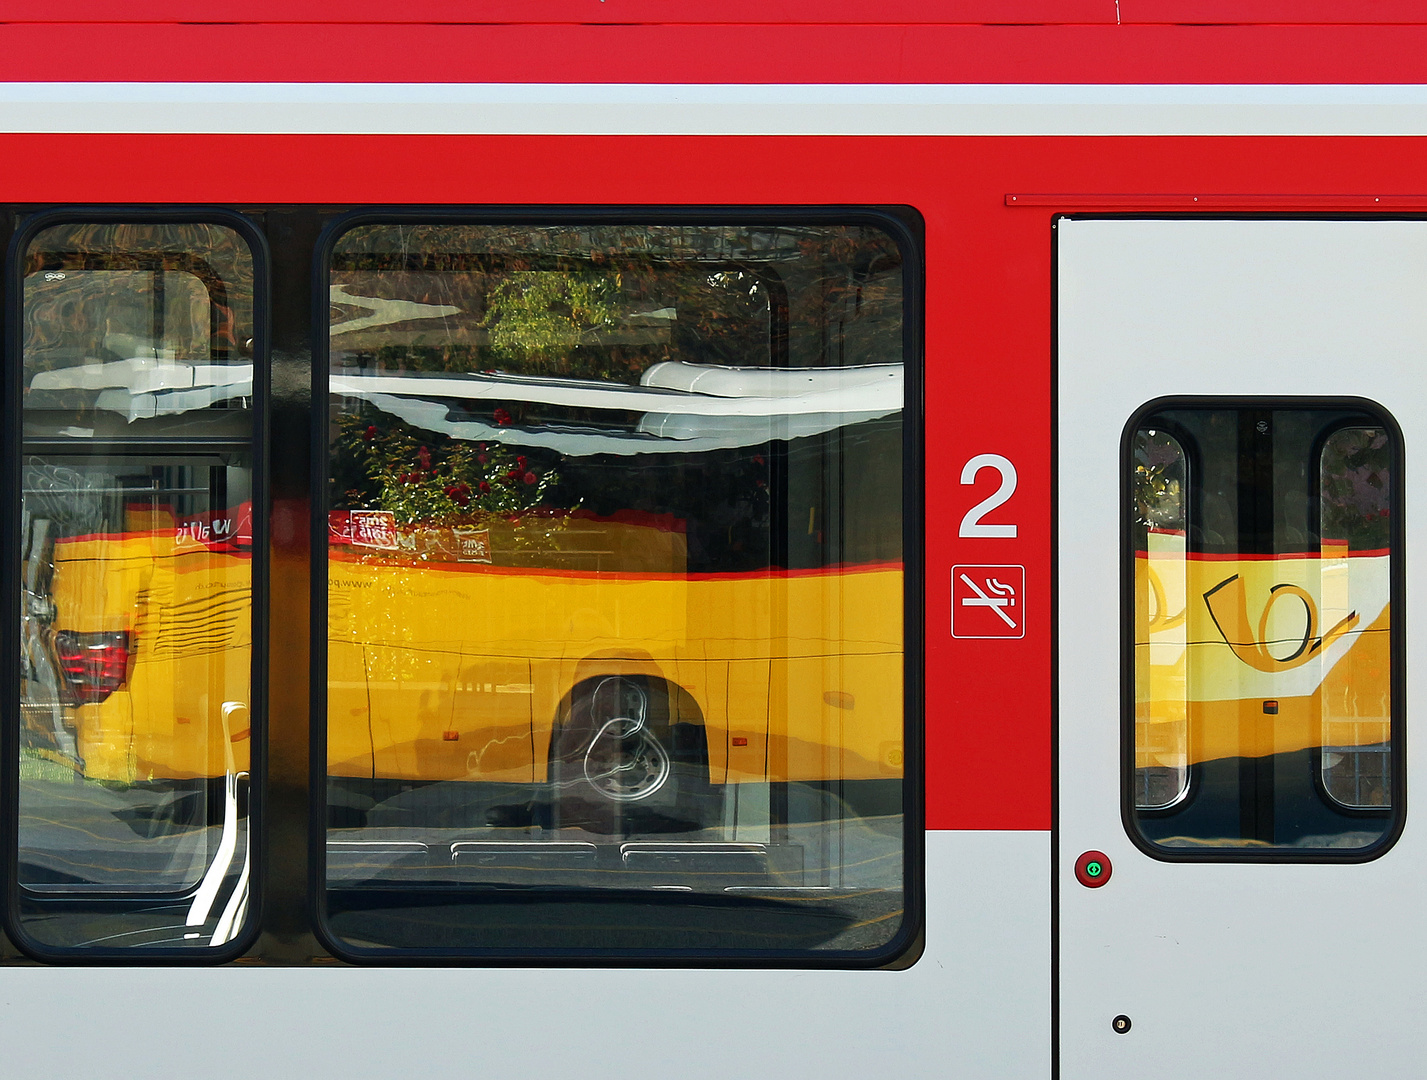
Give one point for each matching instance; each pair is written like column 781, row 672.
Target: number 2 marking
column 971, row 524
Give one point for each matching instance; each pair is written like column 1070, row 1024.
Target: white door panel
column 976, row 1004
column 1224, row 968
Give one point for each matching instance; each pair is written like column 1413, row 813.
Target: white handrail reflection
column 217, row 870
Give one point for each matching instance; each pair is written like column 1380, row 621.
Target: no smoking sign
column 988, row 601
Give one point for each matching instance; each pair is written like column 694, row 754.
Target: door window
column 1262, row 575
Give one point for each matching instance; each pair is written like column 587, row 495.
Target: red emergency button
column 1092, row 869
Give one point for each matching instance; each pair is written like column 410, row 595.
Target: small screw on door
column 1121, row 1024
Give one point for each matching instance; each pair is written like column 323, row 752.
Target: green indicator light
column 1093, row 869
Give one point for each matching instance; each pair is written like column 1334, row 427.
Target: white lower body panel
column 977, row 1005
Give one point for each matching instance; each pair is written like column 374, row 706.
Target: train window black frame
column 904, row 226
column 27, row 228
column 1397, row 812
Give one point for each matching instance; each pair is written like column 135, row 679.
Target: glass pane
column 615, row 644
column 1262, row 543
column 1161, row 625
column 1355, row 489
column 136, row 574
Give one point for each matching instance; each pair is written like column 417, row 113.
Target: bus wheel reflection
column 622, row 761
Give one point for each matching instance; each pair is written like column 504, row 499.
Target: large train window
column 133, row 344
column 616, row 632
column 1263, row 571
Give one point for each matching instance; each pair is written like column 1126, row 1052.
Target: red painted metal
column 734, row 53
column 1276, row 203
column 989, row 255
column 621, row 12
column 729, row 12
column 988, row 312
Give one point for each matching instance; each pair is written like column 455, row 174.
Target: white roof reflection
column 143, row 387
column 681, row 407
column 684, row 407
column 144, row 374
column 668, row 387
